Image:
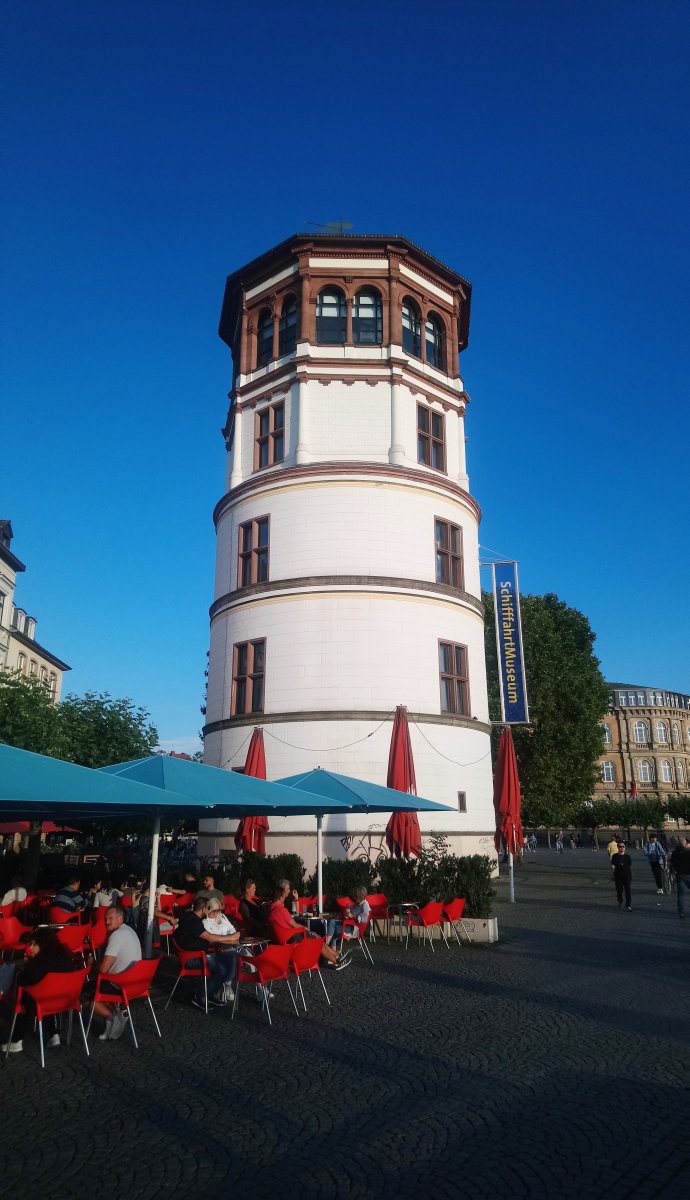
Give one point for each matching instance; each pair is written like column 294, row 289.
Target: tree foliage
column 567, row 696
column 28, row 717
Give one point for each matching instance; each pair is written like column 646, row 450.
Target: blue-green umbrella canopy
column 358, row 794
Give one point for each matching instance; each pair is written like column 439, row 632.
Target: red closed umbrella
column 403, row 835
column 507, row 800
column 251, row 831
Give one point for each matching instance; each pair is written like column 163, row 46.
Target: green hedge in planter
column 341, row 877
column 473, row 881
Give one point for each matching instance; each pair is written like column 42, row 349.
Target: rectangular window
column 449, row 567
column 431, row 438
column 248, row 668
column 455, row 692
column 270, row 436
column 462, row 802
column 3, row 598
column 253, row 552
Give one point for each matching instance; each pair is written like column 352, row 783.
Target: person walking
column 559, row 841
column 656, row 857
column 594, row 842
column 612, row 846
column 621, row 873
column 680, row 862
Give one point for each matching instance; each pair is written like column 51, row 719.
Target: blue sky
column 540, row 149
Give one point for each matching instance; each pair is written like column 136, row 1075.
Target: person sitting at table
column 16, row 893
column 45, row 955
column 106, row 894
column 289, row 930
column 190, row 883
column 69, row 897
column 359, row 912
column 123, row 950
column 191, row 934
column 252, row 911
column 209, row 891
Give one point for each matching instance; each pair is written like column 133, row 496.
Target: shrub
column 399, row 880
column 473, row 881
column 341, row 877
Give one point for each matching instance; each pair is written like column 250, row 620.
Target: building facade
column 347, row 569
column 646, row 734
column 19, row 649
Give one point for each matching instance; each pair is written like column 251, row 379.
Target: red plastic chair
column 125, row 901
column 13, row 935
column 185, row 972
column 185, row 901
column 359, row 937
column 57, row 992
column 282, row 934
column 426, row 919
column 269, row 967
column 133, row 984
column 344, row 902
column 62, row 916
column 8, row 910
column 305, row 956
column 378, row 911
column 98, row 935
column 231, row 906
column 75, row 938
column 452, row 912
column 166, row 901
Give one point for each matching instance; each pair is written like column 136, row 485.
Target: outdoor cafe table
column 399, row 910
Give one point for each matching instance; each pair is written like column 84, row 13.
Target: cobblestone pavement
column 553, row 1064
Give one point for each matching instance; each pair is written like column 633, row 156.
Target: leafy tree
column 97, row 730
column 28, row 717
column 568, row 696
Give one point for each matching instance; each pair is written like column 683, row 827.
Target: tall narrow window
column 411, row 328
column 287, row 327
column 52, row 684
column 431, row 448
column 21, row 663
column 675, row 736
column 666, row 772
column 449, row 554
column 661, row 732
column 33, row 667
column 435, row 337
column 367, row 321
column 270, row 436
column 248, row 668
column 253, row 552
column 331, row 317
column 608, row 772
column 680, row 773
column 462, row 802
column 605, row 733
column 264, row 338
column 3, row 598
column 455, row 693
column 644, row 771
column 641, row 732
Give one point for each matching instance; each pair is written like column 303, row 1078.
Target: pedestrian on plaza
column 656, row 857
column 612, row 846
column 573, row 843
column 559, row 841
column 680, row 862
column 593, row 840
column 578, row 841
column 621, row 873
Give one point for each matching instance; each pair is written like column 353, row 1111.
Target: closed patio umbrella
column 507, row 804
column 403, row 835
column 251, row 831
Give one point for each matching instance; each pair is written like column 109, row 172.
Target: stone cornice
column 317, row 583
column 268, row 719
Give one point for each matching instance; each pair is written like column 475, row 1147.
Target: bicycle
column 667, row 879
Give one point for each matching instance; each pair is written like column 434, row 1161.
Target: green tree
column 96, row 730
column 28, row 717
column 568, row 696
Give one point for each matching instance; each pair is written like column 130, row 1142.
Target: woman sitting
column 286, row 929
column 359, row 912
column 252, row 910
column 45, row 955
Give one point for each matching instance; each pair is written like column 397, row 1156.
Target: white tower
column 347, row 573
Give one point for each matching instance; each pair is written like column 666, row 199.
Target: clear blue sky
column 541, row 149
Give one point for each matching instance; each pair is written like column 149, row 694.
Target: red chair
column 282, row 934
column 305, row 956
column 62, row 916
column 98, row 935
column 57, row 992
column 13, row 935
column 166, row 901
column 185, row 901
column 8, row 910
column 359, row 937
column 231, row 905
column 378, row 911
column 186, row 972
column 98, row 914
column 133, row 984
column 125, row 901
column 75, row 938
column 269, row 967
column 452, row 912
column 344, row 902
column 426, row 919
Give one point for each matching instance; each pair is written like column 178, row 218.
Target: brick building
column 646, row 734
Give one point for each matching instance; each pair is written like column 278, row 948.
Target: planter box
column 482, row 929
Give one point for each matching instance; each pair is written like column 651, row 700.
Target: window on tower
column 435, row 336
column 367, row 319
column 331, row 317
column 287, row 327
column 449, row 554
column 248, row 668
column 264, row 338
column 270, row 436
column 253, row 552
column 411, row 328
column 431, row 449
column 455, row 692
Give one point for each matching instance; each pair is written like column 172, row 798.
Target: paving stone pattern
column 552, row 1064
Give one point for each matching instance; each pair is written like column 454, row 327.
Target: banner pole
column 511, row 878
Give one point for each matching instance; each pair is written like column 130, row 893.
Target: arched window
column 661, row 732
column 644, row 771
column 608, row 772
column 680, row 773
column 367, row 321
column 331, row 317
column 21, row 663
column 675, row 736
column 641, row 732
column 52, row 684
column 287, row 327
column 605, row 733
column 666, row 772
column 435, row 336
column 411, row 328
column 264, row 338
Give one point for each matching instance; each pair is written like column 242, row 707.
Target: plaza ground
column 552, row 1064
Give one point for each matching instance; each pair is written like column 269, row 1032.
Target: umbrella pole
column 153, row 883
column 511, row 878
column 319, row 860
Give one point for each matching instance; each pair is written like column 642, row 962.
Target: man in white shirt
column 122, row 950
column 17, row 892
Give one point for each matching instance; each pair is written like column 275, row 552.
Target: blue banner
column 511, row 662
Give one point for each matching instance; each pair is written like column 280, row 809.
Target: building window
column 680, row 773
column 248, row 667
column 644, row 771
column 3, row 597
column 675, row 735
column 52, row 684
column 435, row 337
column 622, row 700
column 661, row 732
column 641, row 732
column 454, row 681
column 270, row 436
column 331, row 317
column 33, row 667
column 264, row 338
column 411, row 328
column 449, row 554
column 44, row 675
column 640, row 698
column 608, row 772
column 666, row 772
column 431, row 448
column 253, row 552
column 605, row 733
column 462, row 802
column 21, row 663
column 367, row 319
column 287, row 327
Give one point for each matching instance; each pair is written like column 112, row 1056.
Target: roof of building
column 5, row 553
column 40, row 650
